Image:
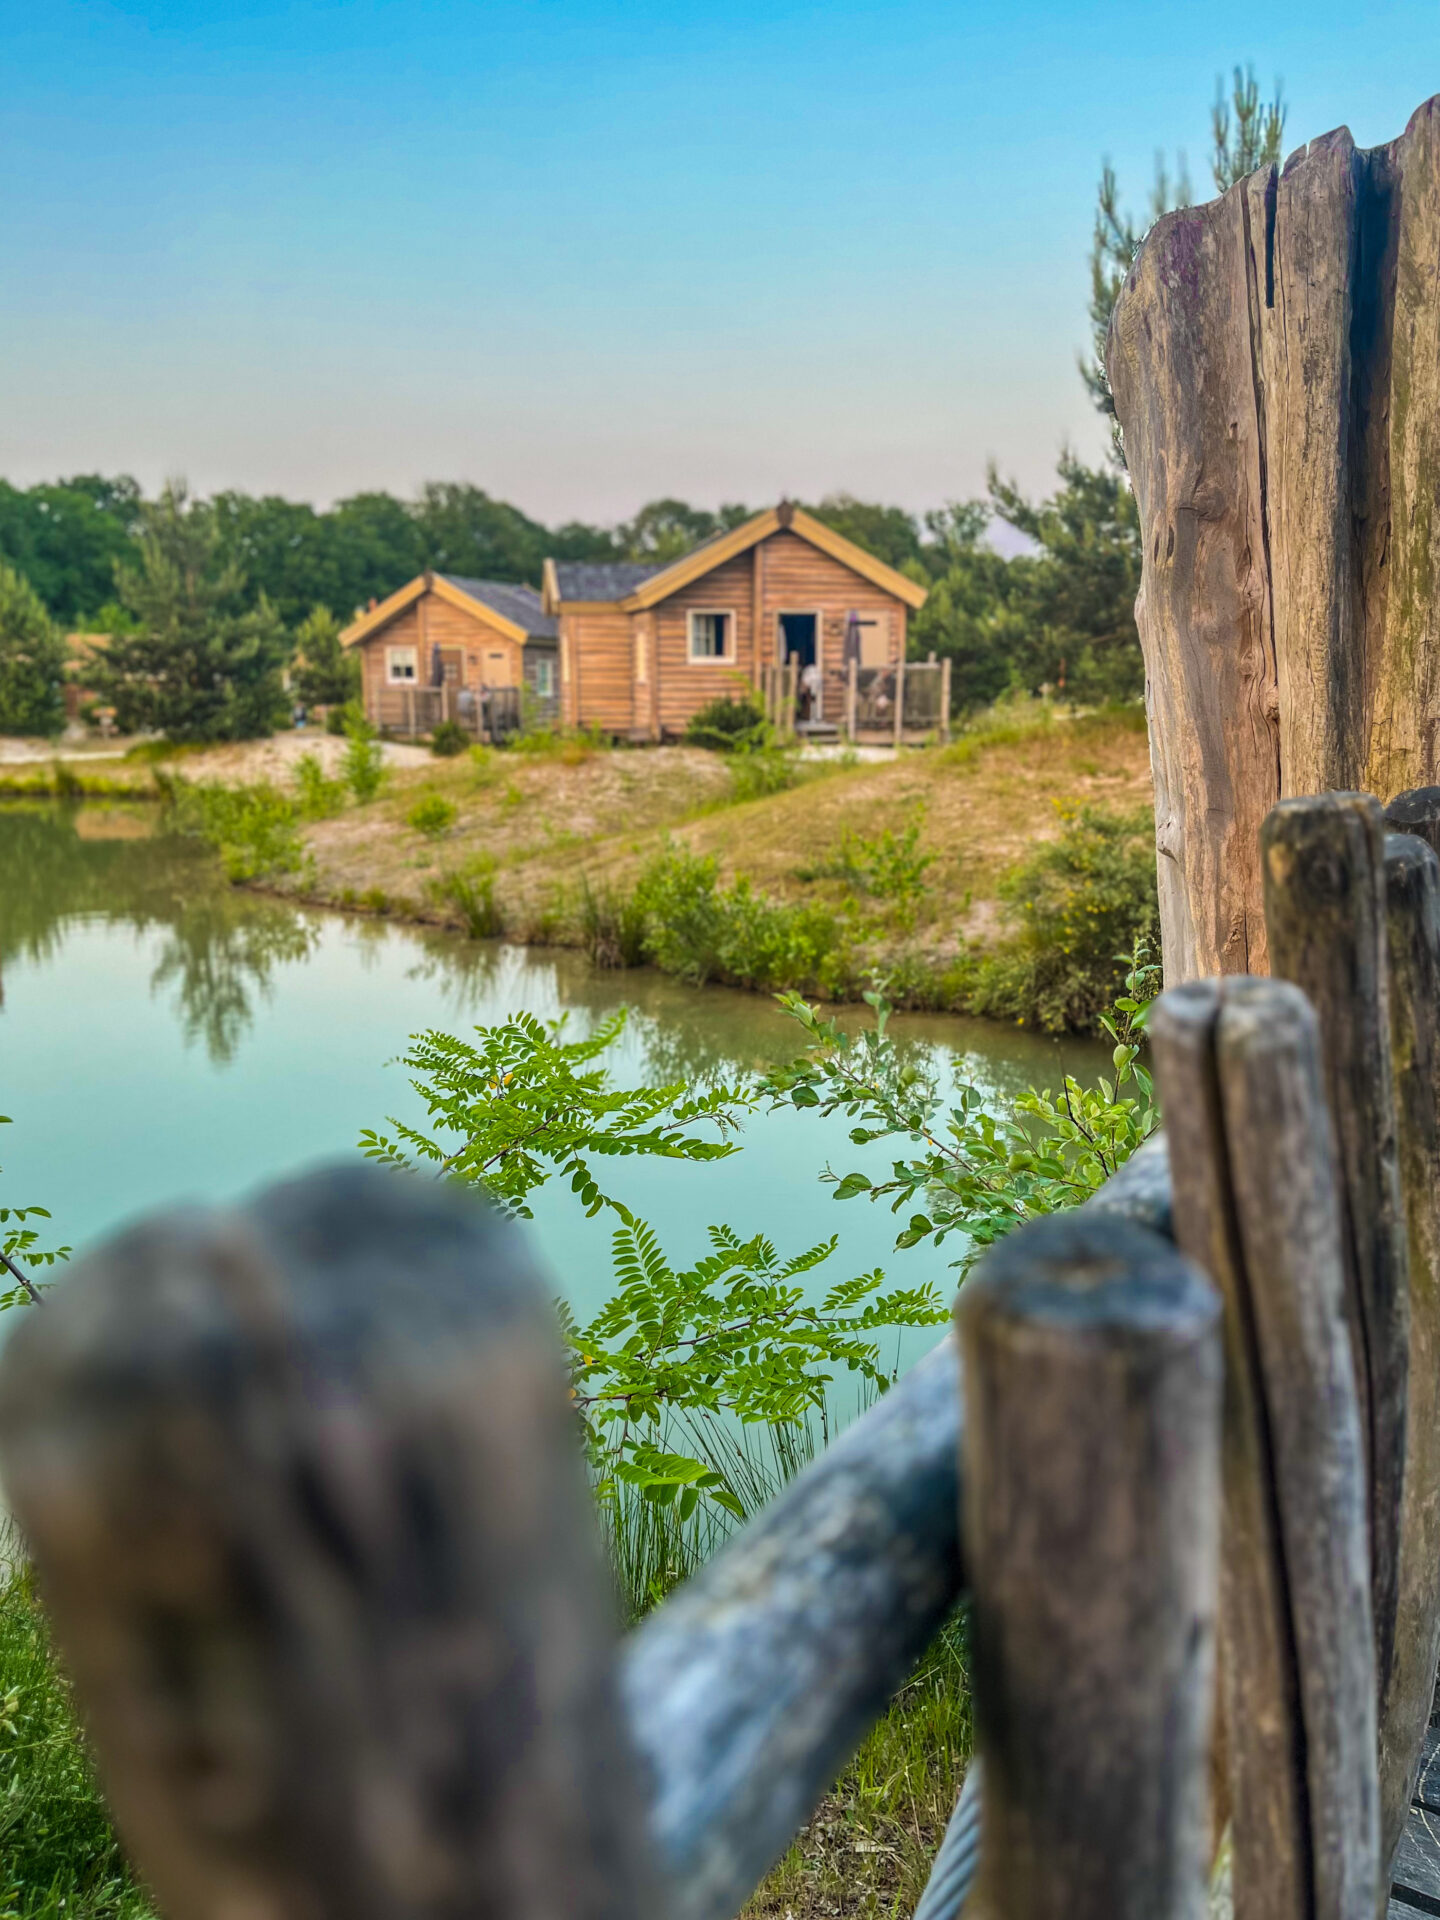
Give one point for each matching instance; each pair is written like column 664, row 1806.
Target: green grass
column 59, row 1859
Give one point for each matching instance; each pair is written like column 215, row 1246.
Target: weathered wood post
column 1273, row 362
column 1090, row 1524
column 305, row 1497
column 1256, row 1203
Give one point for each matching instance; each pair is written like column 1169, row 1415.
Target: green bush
column 363, row 768
column 32, row 660
column 448, row 739
column 1082, row 902
column 320, row 796
column 728, row 725
column 758, row 771
column 255, row 829
column 339, row 720
column 887, row 865
column 433, row 815
column 701, row 931
column 612, row 925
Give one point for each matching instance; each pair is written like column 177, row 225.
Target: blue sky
column 585, row 254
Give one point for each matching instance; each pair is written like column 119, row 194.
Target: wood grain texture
column 1275, row 360
column 303, row 1489
column 1260, row 1683
column 1412, row 893
column 1325, row 910
column 1282, row 1176
column 1092, row 1372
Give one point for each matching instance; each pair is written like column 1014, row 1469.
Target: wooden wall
column 488, row 658
column 597, row 673
column 683, row 686
column 798, row 578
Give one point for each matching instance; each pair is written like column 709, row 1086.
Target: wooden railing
column 308, row 1508
column 877, row 706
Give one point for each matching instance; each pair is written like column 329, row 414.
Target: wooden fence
column 308, row 1507
column 492, row 714
column 873, row 706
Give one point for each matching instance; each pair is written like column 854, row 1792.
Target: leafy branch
column 20, row 1248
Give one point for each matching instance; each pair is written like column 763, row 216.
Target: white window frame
column 545, row 677
column 397, row 656
column 732, row 630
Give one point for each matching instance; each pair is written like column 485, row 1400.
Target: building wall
column 684, row 686
column 797, row 578
column 597, row 673
column 488, row 658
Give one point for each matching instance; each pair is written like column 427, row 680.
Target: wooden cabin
column 643, row 648
column 444, row 647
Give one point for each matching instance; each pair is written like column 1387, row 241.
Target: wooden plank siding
column 597, row 667
column 798, row 578
column 487, row 658
column 684, row 686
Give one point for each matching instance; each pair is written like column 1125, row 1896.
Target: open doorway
column 799, row 639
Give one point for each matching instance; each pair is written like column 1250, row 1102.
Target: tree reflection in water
column 59, row 865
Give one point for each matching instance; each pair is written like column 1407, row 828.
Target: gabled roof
column 513, row 610
column 633, row 586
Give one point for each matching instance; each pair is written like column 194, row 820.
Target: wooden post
column 1412, row 886
column 852, row 696
column 945, row 699
column 1090, row 1529
column 1272, row 359
column 302, row 1485
column 1323, row 862
column 899, row 700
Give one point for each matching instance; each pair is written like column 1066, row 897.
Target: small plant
column 448, row 739
column 472, row 891
column 729, row 725
column 758, row 771
column 433, row 815
column 702, row 931
column 254, row 829
column 340, row 719
column 320, row 796
column 612, row 925
column 363, row 768
column 887, row 865
column 20, row 1248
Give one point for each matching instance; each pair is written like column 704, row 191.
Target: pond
column 164, row 1037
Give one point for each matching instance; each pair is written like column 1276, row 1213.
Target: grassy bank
column 994, row 876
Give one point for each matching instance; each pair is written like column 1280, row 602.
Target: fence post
column 302, row 1485
column 852, row 696
column 1323, row 861
column 899, row 700
column 945, row 699
column 1412, row 895
column 1090, row 1517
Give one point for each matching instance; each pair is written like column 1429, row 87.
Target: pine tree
column 202, row 666
column 325, row 674
column 32, row 660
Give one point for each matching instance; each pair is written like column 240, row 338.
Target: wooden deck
column 1416, row 1886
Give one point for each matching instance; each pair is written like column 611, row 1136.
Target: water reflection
column 220, row 947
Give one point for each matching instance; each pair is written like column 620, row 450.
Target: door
column 799, row 639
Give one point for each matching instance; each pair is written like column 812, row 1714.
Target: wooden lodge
column 644, row 647
column 479, row 652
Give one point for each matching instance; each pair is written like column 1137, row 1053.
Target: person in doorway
column 809, row 691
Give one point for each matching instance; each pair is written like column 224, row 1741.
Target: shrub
column 701, row 931
column 433, row 815
column 320, row 796
column 1082, row 902
column 32, row 660
column 253, row 829
column 448, row 739
column 363, row 768
column 728, row 725
column 887, row 865
column 472, row 890
column 758, row 771
column 340, row 719
column 612, row 925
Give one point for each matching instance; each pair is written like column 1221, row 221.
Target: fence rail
column 492, row 714
column 308, row 1507
column 909, row 701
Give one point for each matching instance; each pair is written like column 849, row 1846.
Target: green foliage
column 728, row 724
column 320, row 796
column 433, row 815
column 254, row 829
column 613, row 925
column 758, row 771
column 325, row 674
column 733, row 1336
column 59, row 1859
column 472, row 890
column 523, row 1102
column 1081, row 900
column 339, row 720
column 20, row 1248
column 363, row 768
column 889, row 533
column 701, row 931
column 32, row 660
column 887, row 865
column 201, row 665
column 66, row 536
column 448, row 739
column 664, row 530
column 969, row 1170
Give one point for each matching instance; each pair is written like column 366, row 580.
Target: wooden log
column 303, row 1489
column 1412, row 887
column 1259, row 1665
column 1416, row 812
column 1273, row 364
column 1091, row 1520
column 1283, row 1181
column 1325, row 909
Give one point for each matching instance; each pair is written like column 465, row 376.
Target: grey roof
column 510, row 601
column 604, row 580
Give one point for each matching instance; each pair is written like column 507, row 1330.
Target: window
column 545, row 677
column 400, row 666
column 712, row 636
